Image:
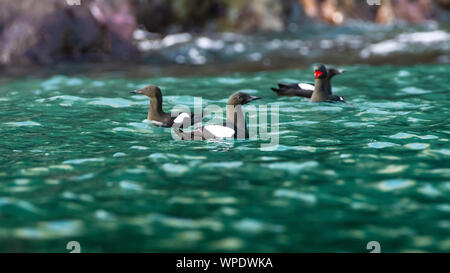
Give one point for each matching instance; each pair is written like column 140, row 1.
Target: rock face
column 51, row 31
column 445, row 4
column 37, row 33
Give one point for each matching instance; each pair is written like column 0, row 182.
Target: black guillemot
column 320, row 91
column 234, row 127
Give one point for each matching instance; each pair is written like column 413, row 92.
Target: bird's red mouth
column 317, row 73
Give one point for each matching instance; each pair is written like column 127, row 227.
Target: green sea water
column 77, row 163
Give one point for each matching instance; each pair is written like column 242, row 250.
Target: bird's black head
column 320, row 72
column 151, row 91
column 241, row 98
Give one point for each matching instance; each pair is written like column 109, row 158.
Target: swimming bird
column 234, row 127
column 155, row 112
column 306, row 90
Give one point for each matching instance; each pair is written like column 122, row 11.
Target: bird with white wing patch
column 234, row 127
column 306, row 90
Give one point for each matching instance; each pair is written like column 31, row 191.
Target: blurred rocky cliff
column 53, row 31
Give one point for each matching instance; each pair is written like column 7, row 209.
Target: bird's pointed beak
column 138, row 91
column 252, row 98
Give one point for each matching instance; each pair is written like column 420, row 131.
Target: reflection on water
column 78, row 163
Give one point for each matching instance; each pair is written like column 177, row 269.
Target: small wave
column 381, row 145
column 395, row 184
column 293, row 168
column 417, row 146
column 23, row 123
column 113, row 102
column 83, row 160
column 308, row 198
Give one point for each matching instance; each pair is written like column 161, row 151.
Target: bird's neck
column 236, row 120
column 321, row 89
column 155, row 108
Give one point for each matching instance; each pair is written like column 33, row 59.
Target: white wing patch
column 220, row 131
column 181, row 117
column 306, row 86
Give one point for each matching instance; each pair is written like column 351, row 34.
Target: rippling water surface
column 77, row 162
